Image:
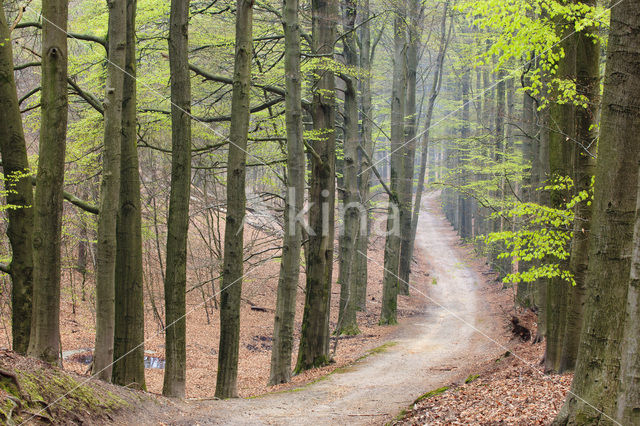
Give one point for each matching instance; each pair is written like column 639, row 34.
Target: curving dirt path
column 431, row 351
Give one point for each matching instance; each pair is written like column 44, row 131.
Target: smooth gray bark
column 109, row 192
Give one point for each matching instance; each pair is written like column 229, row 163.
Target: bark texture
column 351, row 208
column 585, row 149
column 290, row 266
column 314, row 339
column 15, row 166
column 226, row 382
column 109, row 192
column 362, row 245
column 175, row 282
column 128, row 342
column 45, row 332
column 390, row 280
column 594, row 389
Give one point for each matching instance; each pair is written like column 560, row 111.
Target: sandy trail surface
column 457, row 332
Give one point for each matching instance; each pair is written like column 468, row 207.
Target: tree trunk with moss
column 390, row 280
column 44, row 342
column 314, row 339
column 128, row 342
column 17, row 181
column 595, row 386
column 109, row 192
column 175, row 282
column 226, row 382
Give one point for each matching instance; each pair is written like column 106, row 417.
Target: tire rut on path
column 430, row 351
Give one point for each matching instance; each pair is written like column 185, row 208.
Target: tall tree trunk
column 562, row 132
column 109, row 192
column 314, row 338
column 294, row 202
column 464, row 202
column 410, row 131
column 226, row 382
column 524, row 296
column 347, row 323
column 540, row 295
column 128, row 342
column 390, row 280
column 424, row 149
column 587, row 85
column 595, row 384
column 17, row 181
column 45, row 326
column 175, row 284
column 628, row 402
column 361, row 275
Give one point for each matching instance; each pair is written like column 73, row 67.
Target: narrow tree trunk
column 390, row 283
column 226, row 382
column 424, row 149
column 314, row 338
column 410, row 131
column 587, row 85
column 464, row 202
column 595, row 385
column 175, row 284
column 524, row 296
column 109, row 192
column 361, row 275
column 45, row 327
column 128, row 342
column 347, row 323
column 17, row 181
column 543, row 199
column 294, row 201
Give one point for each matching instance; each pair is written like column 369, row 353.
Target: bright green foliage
column 544, row 235
column 520, row 30
column 7, row 181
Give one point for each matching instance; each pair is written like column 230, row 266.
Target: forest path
column 431, row 351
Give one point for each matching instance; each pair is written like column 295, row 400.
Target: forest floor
column 464, row 328
column 454, row 326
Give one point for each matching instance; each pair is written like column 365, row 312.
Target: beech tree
column 314, row 339
column 595, row 387
column 44, row 340
column 175, row 285
column 283, row 327
column 128, row 355
column 226, row 383
column 110, row 192
column 17, row 181
column 391, row 283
